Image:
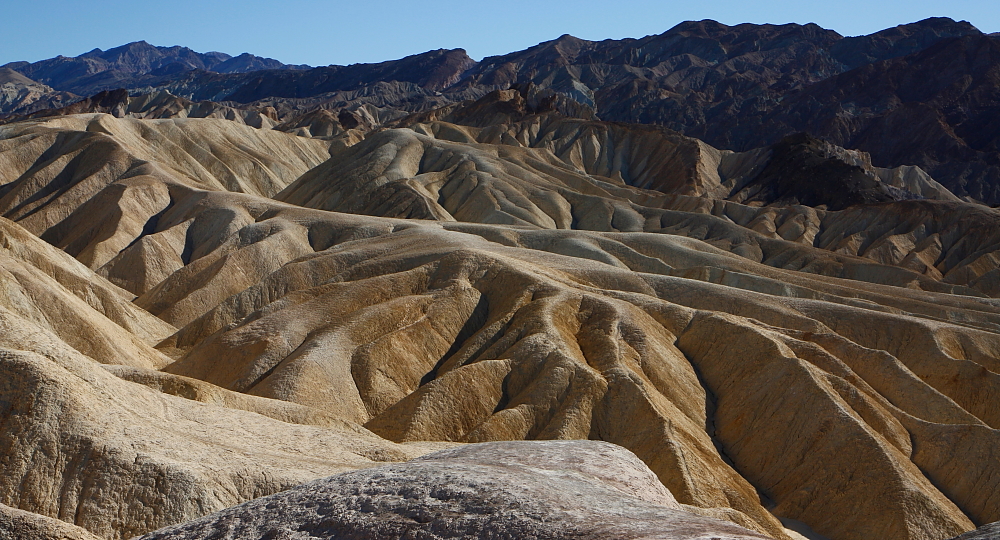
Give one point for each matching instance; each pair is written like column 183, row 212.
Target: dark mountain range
column 695, row 74
column 433, row 70
column 694, row 66
column 922, row 94
column 938, row 108
column 135, row 64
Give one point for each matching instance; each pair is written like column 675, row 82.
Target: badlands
column 493, row 317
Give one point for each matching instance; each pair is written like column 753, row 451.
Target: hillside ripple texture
column 498, row 317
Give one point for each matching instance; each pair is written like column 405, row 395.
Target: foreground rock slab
column 17, row 525
column 990, row 531
column 518, row 489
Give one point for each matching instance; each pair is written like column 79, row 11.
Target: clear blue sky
column 320, row 32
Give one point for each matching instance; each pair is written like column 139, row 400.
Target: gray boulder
column 499, row 490
column 990, row 531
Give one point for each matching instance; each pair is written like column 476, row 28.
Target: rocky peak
column 451, row 66
column 806, row 170
column 899, row 41
column 743, row 38
column 246, row 62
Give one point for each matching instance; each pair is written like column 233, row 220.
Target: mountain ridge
column 142, row 58
column 126, row 65
column 735, row 87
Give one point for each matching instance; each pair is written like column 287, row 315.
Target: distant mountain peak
column 133, row 46
column 943, row 22
column 136, row 64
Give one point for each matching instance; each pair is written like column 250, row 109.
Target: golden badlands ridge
column 197, row 313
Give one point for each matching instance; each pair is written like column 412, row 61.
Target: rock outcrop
column 552, row 489
column 20, row 525
column 990, row 531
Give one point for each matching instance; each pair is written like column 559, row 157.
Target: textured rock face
column 19, row 525
column 990, row 531
column 564, row 489
column 746, row 86
column 431, row 71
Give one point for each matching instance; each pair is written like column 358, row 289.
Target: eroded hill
column 199, row 312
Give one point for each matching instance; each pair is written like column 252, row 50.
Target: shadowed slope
column 751, row 370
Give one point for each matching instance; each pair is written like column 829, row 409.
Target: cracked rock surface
column 550, row 489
